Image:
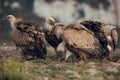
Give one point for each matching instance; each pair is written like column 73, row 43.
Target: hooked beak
column 5, row 18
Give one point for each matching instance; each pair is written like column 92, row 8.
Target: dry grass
column 13, row 67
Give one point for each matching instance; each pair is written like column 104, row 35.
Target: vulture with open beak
column 103, row 30
column 27, row 37
column 77, row 39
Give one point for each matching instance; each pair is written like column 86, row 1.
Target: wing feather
column 27, row 36
column 82, row 39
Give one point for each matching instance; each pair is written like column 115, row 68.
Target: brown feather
column 97, row 28
column 111, row 32
column 51, row 37
column 29, row 39
column 82, row 40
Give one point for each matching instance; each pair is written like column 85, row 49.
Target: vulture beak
column 5, row 18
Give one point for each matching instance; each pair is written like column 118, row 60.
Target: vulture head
column 49, row 24
column 12, row 20
column 56, row 28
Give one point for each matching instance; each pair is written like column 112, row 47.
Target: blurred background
column 69, row 11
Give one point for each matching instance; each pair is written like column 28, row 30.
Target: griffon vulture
column 50, row 36
column 77, row 39
column 27, row 36
column 112, row 35
column 107, row 31
column 54, row 39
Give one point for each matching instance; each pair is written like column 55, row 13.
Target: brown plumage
column 96, row 28
column 112, row 35
column 83, row 43
column 50, row 35
column 26, row 36
column 78, row 40
column 108, row 32
column 53, row 36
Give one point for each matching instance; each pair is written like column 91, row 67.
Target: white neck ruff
column 12, row 25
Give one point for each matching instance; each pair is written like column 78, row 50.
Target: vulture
column 112, row 35
column 52, row 32
column 50, row 35
column 103, row 30
column 27, row 36
column 78, row 40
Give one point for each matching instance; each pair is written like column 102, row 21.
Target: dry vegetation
column 13, row 67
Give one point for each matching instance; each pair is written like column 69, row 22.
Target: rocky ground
column 14, row 67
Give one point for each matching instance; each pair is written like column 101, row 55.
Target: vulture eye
column 8, row 16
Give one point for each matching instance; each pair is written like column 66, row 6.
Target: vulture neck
column 13, row 22
column 12, row 25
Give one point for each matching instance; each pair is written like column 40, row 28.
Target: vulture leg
column 111, row 49
column 64, row 53
column 70, row 56
column 55, row 48
column 61, row 50
column 82, row 55
column 114, row 36
column 40, row 50
column 25, row 54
